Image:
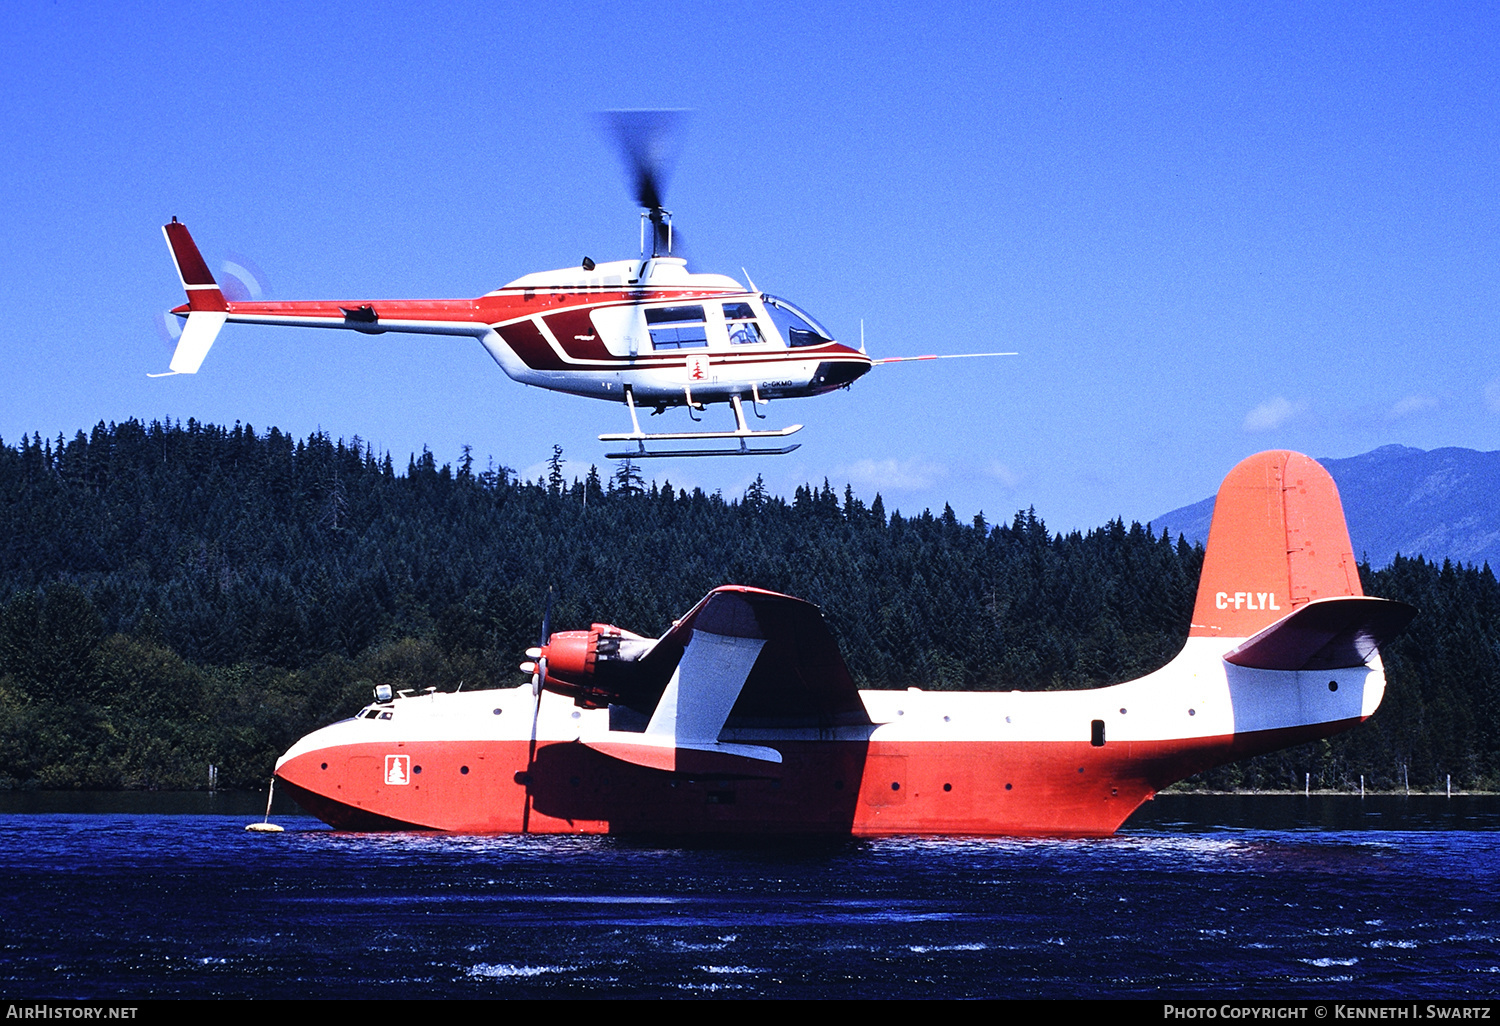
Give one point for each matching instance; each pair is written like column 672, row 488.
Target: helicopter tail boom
column 207, row 311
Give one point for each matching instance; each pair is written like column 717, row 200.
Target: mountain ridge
column 1435, row 503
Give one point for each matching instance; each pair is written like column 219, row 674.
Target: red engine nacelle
column 593, row 666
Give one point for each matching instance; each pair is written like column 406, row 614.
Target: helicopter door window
column 677, row 327
column 739, row 318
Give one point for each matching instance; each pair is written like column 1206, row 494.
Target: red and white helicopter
column 643, row 332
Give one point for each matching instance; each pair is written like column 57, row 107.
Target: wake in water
column 106, row 906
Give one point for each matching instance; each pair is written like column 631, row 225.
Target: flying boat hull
column 742, row 720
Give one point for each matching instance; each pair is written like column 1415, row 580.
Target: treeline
column 177, row 595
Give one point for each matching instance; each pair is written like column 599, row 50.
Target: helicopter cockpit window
column 739, row 318
column 795, row 326
column 677, row 327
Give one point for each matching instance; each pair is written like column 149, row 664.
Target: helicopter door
column 683, row 328
column 622, row 329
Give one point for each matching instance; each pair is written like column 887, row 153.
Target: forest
column 178, row 595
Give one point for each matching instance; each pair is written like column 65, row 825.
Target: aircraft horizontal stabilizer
column 1327, row 634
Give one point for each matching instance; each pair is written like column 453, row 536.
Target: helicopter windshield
column 795, row 326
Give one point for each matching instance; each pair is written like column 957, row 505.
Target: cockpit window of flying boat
column 739, row 318
column 795, row 326
column 677, row 327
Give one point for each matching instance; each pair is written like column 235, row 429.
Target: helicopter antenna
column 647, row 141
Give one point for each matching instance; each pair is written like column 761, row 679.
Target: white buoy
column 266, row 827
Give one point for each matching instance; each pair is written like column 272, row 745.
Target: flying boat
column 645, row 332
column 743, row 719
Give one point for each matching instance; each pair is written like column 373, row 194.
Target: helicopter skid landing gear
column 742, row 432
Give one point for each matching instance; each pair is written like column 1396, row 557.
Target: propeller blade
column 538, row 681
column 539, row 675
column 648, row 141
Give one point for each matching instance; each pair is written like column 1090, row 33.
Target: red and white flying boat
column 742, row 719
column 644, row 332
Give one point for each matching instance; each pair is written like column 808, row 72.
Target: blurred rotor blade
column 242, row 281
column 648, row 144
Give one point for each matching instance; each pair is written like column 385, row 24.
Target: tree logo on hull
column 398, row 769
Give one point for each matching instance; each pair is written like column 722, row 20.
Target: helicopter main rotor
column 648, row 143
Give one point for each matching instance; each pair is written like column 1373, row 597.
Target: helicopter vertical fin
column 202, row 291
column 207, row 308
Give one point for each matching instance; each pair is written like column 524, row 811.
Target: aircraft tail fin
column 1277, row 542
column 206, row 307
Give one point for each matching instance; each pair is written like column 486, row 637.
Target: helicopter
column 644, row 332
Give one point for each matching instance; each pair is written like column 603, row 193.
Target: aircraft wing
column 796, row 676
column 741, row 657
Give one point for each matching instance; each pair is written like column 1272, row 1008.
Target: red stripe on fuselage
column 531, row 346
column 575, row 332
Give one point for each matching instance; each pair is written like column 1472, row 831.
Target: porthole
column 1333, row 685
column 464, row 770
column 947, row 787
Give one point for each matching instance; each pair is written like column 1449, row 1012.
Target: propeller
column 648, row 143
column 538, row 671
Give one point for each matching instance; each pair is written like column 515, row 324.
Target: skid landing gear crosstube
column 742, row 432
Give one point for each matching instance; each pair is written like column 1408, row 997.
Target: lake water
column 141, row 896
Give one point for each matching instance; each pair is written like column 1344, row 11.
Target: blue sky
column 1208, row 229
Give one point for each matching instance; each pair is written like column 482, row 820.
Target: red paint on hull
column 1059, row 789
